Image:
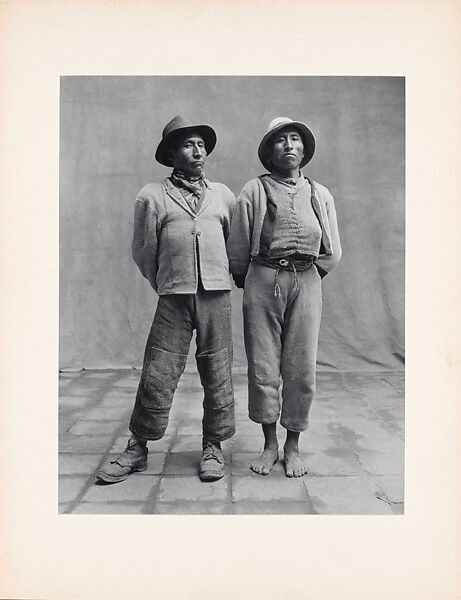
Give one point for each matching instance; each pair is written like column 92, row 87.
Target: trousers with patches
column 177, row 315
column 281, row 338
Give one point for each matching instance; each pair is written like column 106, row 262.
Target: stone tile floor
column 354, row 450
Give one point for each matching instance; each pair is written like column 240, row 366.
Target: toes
column 300, row 472
column 263, row 465
column 294, row 471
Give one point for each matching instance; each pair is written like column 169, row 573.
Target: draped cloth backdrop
column 109, row 129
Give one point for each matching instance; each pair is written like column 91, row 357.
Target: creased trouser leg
column 263, row 344
column 281, row 337
column 218, row 405
column 214, row 363
column 299, row 354
column 208, row 312
column 156, row 389
column 164, row 362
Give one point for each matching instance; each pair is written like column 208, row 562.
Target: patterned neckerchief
column 192, row 185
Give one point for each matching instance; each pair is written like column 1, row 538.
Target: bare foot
column 264, row 463
column 294, row 466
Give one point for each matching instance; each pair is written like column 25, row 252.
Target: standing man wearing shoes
column 179, row 244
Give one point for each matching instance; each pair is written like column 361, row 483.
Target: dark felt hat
column 279, row 123
column 178, row 126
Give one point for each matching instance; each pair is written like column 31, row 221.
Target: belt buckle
column 283, row 262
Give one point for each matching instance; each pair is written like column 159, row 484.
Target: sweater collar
column 290, row 182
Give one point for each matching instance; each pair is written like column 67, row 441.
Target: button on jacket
column 172, row 244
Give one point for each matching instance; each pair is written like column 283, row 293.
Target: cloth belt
column 288, row 263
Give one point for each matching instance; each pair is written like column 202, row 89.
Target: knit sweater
column 250, row 215
column 297, row 229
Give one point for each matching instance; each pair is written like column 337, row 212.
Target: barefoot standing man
column 180, row 231
column 284, row 239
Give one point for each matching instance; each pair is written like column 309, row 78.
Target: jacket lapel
column 206, row 197
column 176, row 195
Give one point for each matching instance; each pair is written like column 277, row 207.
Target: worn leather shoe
column 212, row 464
column 133, row 458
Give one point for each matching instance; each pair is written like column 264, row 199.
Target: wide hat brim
column 206, row 132
column 306, row 135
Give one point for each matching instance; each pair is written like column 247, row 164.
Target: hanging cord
column 276, row 286
column 295, row 274
column 285, row 263
column 303, row 264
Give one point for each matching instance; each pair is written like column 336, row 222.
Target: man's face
column 287, row 149
column 188, row 154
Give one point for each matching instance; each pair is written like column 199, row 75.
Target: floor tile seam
column 360, row 464
column 94, row 421
column 254, row 504
column 72, row 413
column 229, row 481
column 269, row 479
column 90, row 404
column 149, row 503
column 113, row 502
column 90, row 480
column 370, row 478
column 87, row 452
column 163, row 474
column 374, row 496
column 179, row 501
column 99, row 387
column 271, row 501
column 356, row 475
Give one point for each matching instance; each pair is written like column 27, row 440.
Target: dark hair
column 267, row 155
column 176, row 140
